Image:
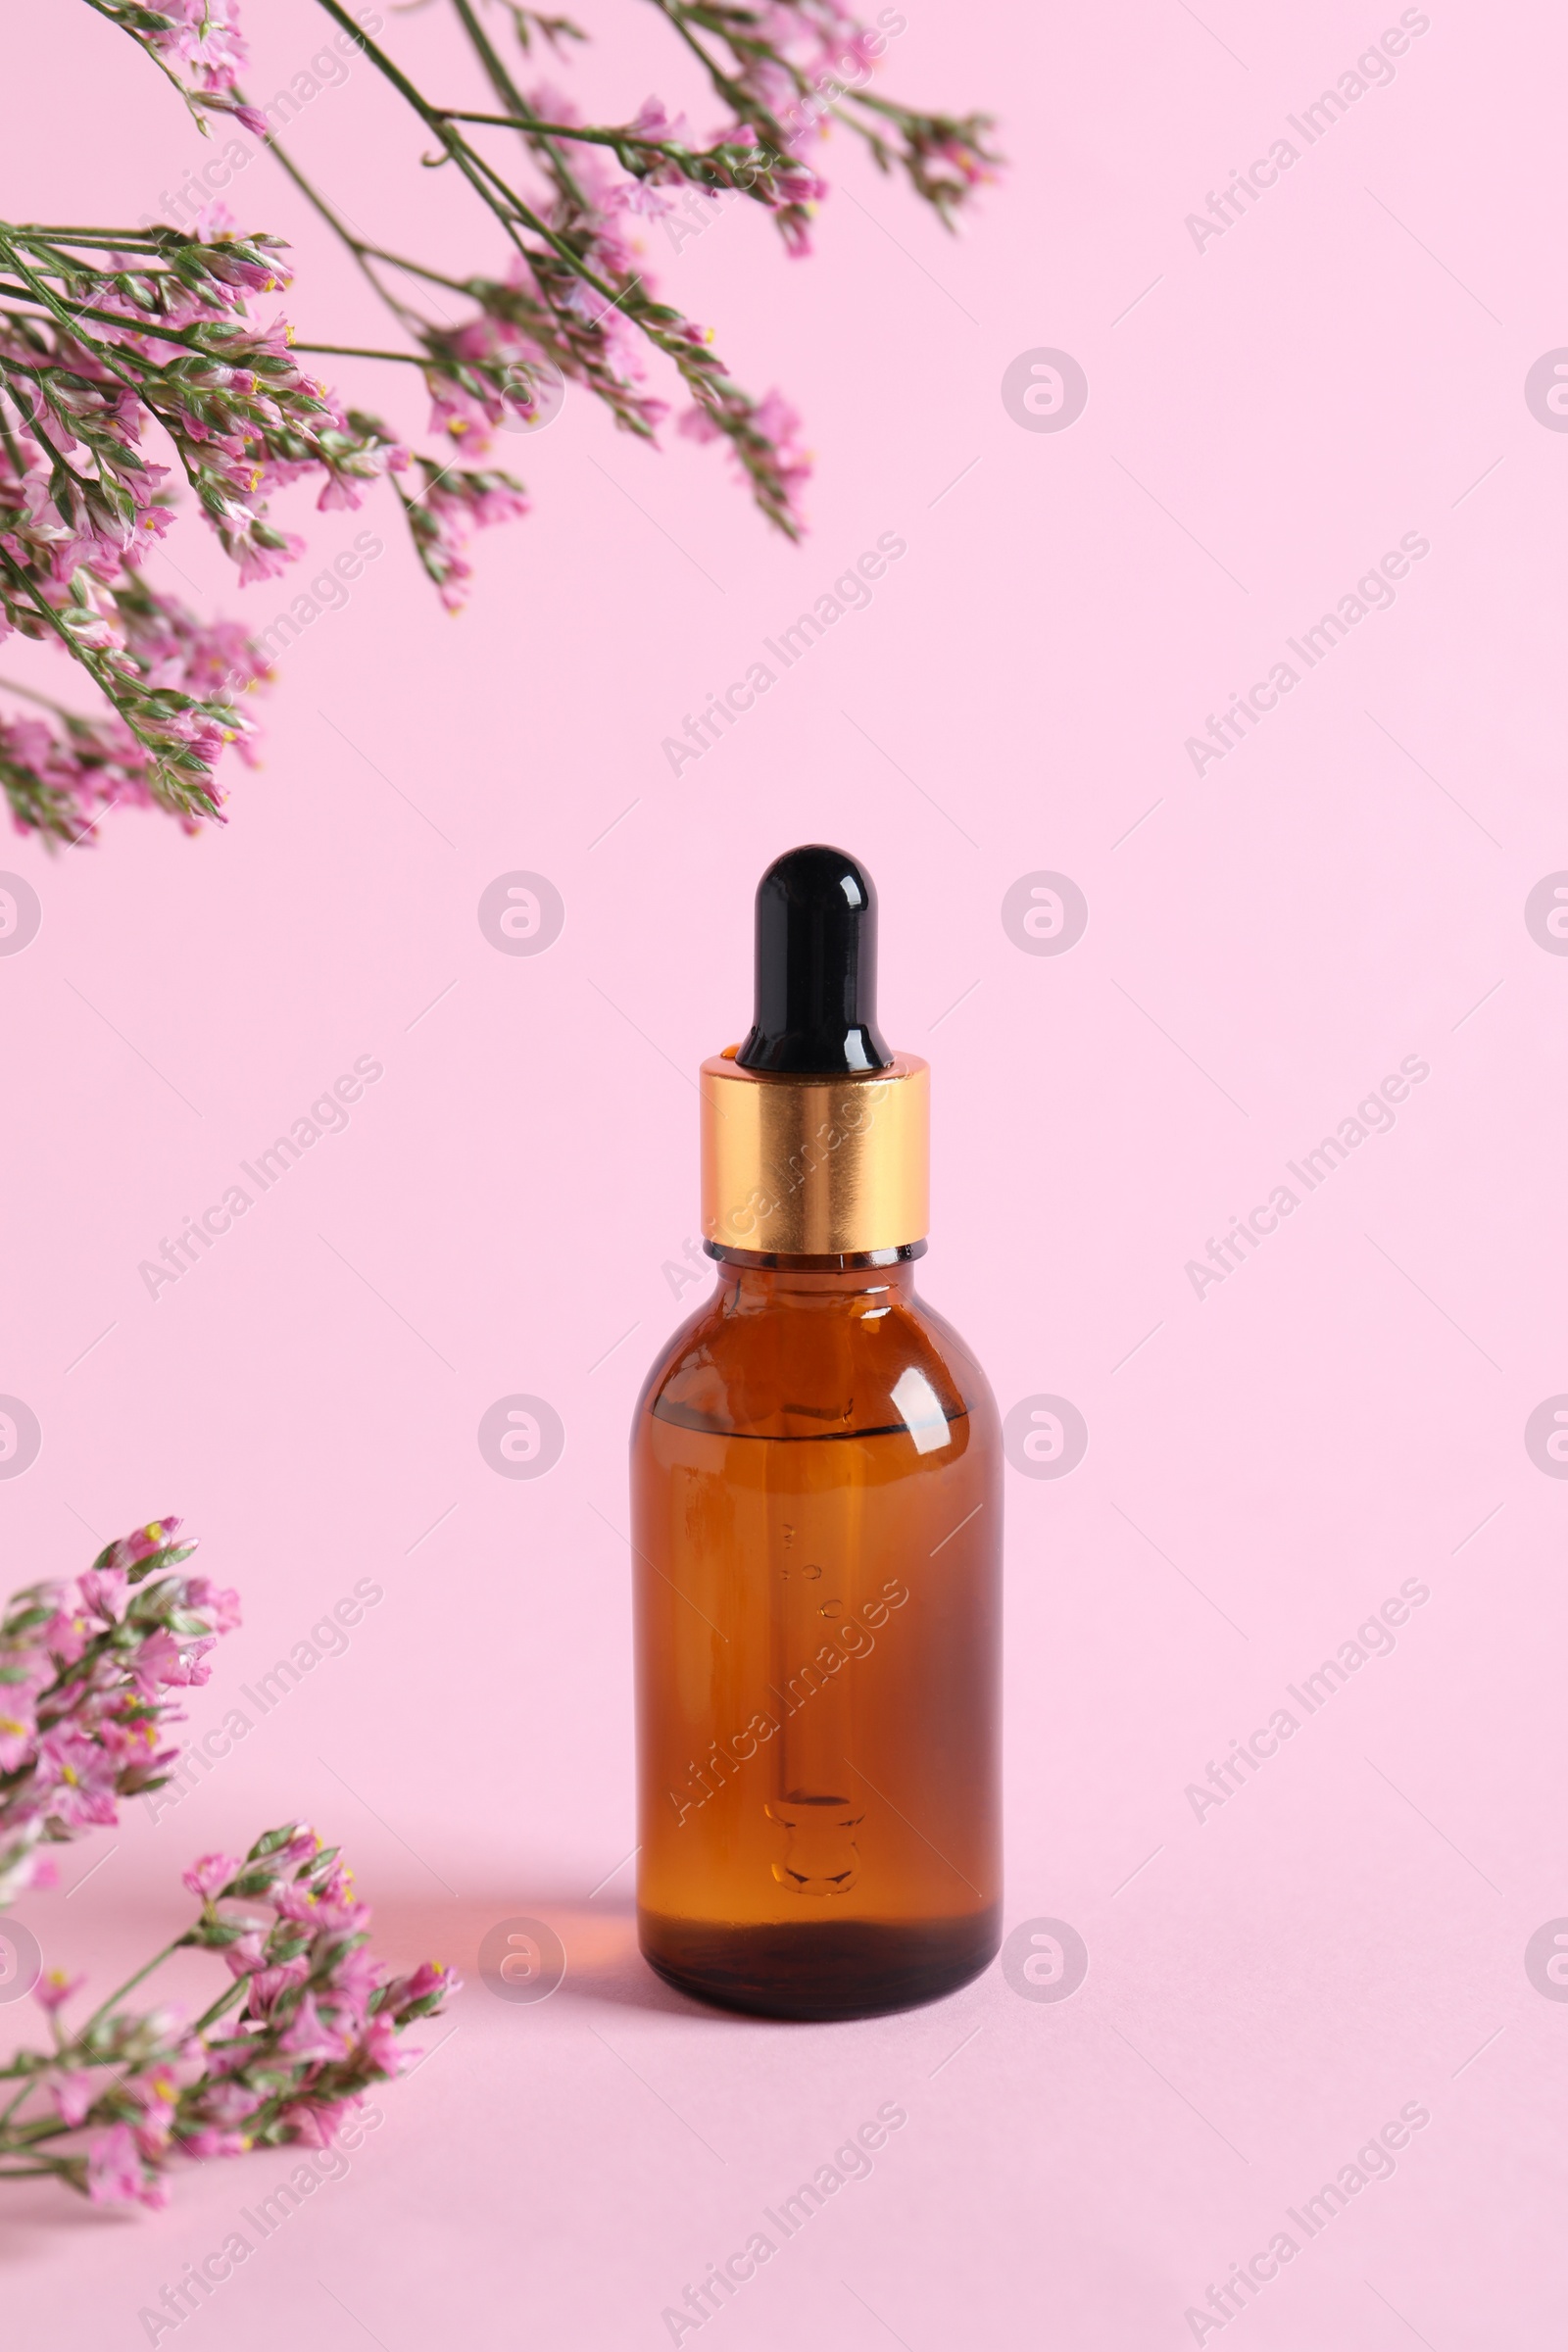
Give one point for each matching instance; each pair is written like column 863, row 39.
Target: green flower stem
column 13, row 448
column 434, row 278
column 555, row 130
column 354, row 351
column 130, row 1985
column 99, row 9
column 46, row 610
column 362, row 253
column 64, row 2050
column 43, row 294
column 506, row 89
column 157, row 333
column 105, row 678
column 514, row 213
column 117, row 240
column 227, row 2000
column 632, row 150
column 35, row 2075
column 60, row 464
column 746, row 108
column 21, row 2139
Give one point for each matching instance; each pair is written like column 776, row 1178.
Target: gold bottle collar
column 816, row 1167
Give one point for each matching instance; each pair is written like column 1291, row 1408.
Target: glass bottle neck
column 756, row 1282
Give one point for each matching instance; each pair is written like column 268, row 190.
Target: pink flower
column 205, row 35
column 159, row 2094
column 552, row 105
column 163, row 1660
column 341, row 1918
column 104, row 1590
column 210, row 1875
column 646, row 197
column 317, row 2126
column 224, row 102
column 67, row 1633
column 231, row 2102
column 216, row 221
column 55, row 1988
column 208, row 2143
column 324, row 1909
column 18, row 1727
column 481, row 499
column 797, row 182
column 456, row 573
column 357, row 1976
column 220, row 651
column 651, row 121
column 456, row 411
column 73, row 2094
column 338, row 492
column 310, row 2036
column 697, row 425
column 378, row 2047
column 963, row 159
column 114, row 2174
column 79, row 1777
column 431, row 1976
column 247, row 1954
column 268, row 1982
column 224, row 2058
column 143, row 1541
column 267, row 563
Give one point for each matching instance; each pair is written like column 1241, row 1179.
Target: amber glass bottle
column 817, row 1510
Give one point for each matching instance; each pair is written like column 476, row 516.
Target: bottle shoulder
column 806, row 1367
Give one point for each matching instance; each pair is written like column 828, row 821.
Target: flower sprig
column 103, row 333
column 86, row 1667
column 452, row 502
column 197, row 44
column 106, row 333
column 789, row 68
column 307, row 2020
column 307, row 2023
column 577, row 297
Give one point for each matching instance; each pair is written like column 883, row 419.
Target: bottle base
column 821, row 1971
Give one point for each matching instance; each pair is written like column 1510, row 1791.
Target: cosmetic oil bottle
column 816, row 1505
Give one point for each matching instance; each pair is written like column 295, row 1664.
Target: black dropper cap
column 815, row 967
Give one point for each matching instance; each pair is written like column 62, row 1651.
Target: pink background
column 1345, row 1933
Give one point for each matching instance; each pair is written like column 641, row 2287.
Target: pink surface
column 1343, row 1936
